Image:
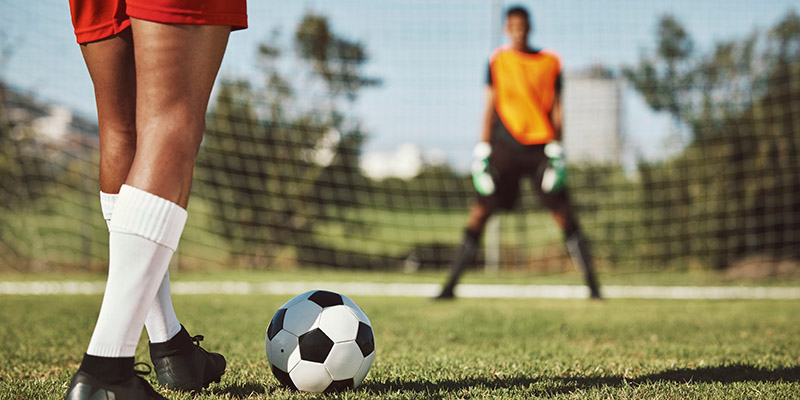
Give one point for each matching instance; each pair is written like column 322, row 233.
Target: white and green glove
column 483, row 181
column 555, row 175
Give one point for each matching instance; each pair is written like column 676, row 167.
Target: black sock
column 180, row 344
column 464, row 256
column 111, row 370
column 474, row 236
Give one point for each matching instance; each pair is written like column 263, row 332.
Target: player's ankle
column 112, row 370
column 180, row 344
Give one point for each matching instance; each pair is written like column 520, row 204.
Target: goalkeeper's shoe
column 181, row 364
column 446, row 294
column 86, row 387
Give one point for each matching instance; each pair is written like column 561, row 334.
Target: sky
column 430, row 54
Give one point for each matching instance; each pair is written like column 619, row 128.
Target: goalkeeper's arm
column 557, row 113
column 488, row 115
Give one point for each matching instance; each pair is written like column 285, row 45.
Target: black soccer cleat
column 86, row 387
column 181, row 364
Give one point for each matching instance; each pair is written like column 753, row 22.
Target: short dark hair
column 518, row 11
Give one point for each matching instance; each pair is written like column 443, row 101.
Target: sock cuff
column 180, row 344
column 107, row 202
column 114, row 370
column 149, row 216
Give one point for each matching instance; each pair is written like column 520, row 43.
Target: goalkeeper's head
column 518, row 26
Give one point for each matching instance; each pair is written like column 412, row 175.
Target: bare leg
column 154, row 80
column 152, row 85
column 176, row 66
column 111, row 66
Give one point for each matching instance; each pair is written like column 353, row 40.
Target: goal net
column 339, row 134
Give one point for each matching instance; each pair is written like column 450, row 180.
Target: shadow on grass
column 725, row 374
column 444, row 389
column 544, row 386
column 240, row 391
column 720, row 374
column 551, row 386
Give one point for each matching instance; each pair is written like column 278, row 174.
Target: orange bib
column 525, row 88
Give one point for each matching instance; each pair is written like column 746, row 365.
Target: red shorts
column 98, row 19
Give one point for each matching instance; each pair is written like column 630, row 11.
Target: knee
column 179, row 137
column 118, row 141
column 184, row 148
column 478, row 216
column 566, row 221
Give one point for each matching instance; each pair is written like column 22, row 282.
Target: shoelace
column 197, row 339
column 151, row 393
column 141, row 372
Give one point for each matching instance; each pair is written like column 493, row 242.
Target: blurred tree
column 274, row 164
column 436, row 186
column 733, row 190
column 337, row 60
column 27, row 168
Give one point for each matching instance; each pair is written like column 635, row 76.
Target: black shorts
column 509, row 162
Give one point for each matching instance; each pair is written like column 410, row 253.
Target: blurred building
column 593, row 114
column 54, row 132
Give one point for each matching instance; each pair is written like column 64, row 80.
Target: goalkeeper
column 521, row 136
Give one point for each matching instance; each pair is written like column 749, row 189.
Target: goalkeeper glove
column 555, row 175
column 483, row 181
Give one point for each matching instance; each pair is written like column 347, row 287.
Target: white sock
column 144, row 232
column 107, row 203
column 161, row 323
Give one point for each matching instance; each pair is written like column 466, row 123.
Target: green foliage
column 662, row 79
column 271, row 161
column 435, row 187
column 609, row 207
column 337, row 60
column 32, row 168
column 732, row 192
column 23, row 159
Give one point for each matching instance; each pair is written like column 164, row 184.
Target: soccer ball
column 320, row 341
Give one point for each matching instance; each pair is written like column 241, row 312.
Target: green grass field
column 509, row 349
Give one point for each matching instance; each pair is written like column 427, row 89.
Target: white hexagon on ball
column 363, row 370
column 310, row 376
column 344, row 360
column 301, row 317
column 339, row 323
column 283, row 351
column 296, row 299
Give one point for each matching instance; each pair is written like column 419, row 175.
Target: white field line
column 423, row 290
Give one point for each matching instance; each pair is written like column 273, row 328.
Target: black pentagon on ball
column 325, row 298
column 283, row 377
column 276, row 324
column 338, row 386
column 315, row 346
column 364, row 339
